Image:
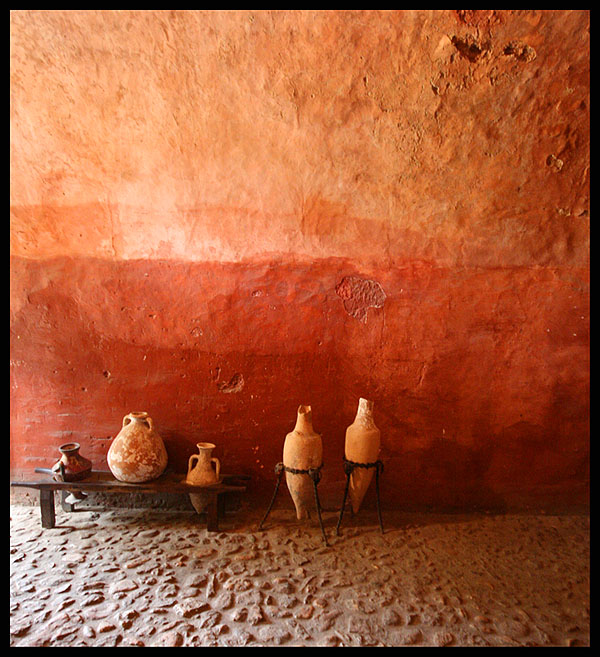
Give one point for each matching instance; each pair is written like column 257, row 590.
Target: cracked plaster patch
column 360, row 294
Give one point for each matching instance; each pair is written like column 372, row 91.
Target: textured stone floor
column 140, row 577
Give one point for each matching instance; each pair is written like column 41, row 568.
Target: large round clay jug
column 363, row 441
column 302, row 450
column 137, row 454
column 201, row 473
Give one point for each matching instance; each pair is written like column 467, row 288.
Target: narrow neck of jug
column 364, row 414
column 304, row 420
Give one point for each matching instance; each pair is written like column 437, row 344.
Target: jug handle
column 192, row 457
column 147, row 420
column 217, row 465
column 59, row 471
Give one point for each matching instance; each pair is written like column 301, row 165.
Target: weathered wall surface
column 218, row 216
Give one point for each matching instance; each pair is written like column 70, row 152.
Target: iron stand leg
column 337, row 529
column 315, row 475
column 348, row 469
column 279, row 471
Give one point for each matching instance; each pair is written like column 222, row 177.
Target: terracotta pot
column 71, row 466
column 137, row 454
column 201, row 473
column 363, row 440
column 302, row 450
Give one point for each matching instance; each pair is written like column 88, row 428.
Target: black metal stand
column 314, row 474
column 349, row 467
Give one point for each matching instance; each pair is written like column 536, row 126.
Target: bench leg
column 212, row 514
column 63, row 501
column 47, row 508
column 221, row 505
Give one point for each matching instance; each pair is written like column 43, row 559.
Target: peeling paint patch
column 235, row 384
column 360, row 294
column 520, row 51
column 470, row 48
column 555, row 163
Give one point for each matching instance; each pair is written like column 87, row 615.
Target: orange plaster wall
column 204, row 205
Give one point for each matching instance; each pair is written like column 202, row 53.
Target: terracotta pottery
column 71, row 466
column 302, row 450
column 201, row 473
column 137, row 454
column 363, row 440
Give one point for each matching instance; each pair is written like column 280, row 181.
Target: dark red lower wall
column 480, row 377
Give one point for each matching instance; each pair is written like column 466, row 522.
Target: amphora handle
column 190, row 466
column 141, row 417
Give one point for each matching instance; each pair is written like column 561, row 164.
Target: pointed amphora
column 302, row 450
column 363, row 441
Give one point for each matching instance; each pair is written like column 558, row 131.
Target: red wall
column 218, row 216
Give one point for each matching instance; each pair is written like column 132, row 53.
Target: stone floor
column 143, row 577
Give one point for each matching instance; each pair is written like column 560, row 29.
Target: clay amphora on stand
column 137, row 454
column 302, row 450
column 71, row 466
column 363, row 440
column 201, row 473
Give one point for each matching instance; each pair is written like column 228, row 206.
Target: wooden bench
column 104, row 482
